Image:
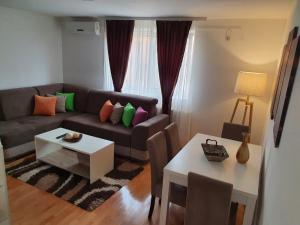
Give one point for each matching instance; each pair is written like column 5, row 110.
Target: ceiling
column 158, row 8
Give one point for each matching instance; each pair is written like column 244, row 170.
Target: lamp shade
column 251, row 84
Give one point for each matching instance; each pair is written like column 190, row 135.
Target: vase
column 242, row 155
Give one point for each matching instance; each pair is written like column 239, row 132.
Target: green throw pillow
column 69, row 100
column 128, row 114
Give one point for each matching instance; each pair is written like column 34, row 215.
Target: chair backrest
column 234, row 131
column 172, row 137
column 157, row 148
column 208, row 201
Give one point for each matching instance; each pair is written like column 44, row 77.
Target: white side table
column 4, row 210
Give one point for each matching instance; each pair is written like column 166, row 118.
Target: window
column 142, row 77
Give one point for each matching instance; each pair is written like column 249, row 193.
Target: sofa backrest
column 1, row 114
column 49, row 89
column 17, row 102
column 81, row 93
column 96, row 99
column 81, row 96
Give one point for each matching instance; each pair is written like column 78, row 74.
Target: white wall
column 83, row 59
column 30, row 49
column 281, row 198
column 253, row 47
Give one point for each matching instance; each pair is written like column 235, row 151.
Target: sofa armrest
column 144, row 130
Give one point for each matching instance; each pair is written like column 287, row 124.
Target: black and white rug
column 70, row 187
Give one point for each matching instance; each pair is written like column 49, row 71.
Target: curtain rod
column 219, row 27
column 155, row 18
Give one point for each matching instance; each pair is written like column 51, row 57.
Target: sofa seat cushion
column 13, row 133
column 89, row 124
column 45, row 123
column 22, row 130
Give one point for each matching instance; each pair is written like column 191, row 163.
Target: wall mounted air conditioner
column 83, row 27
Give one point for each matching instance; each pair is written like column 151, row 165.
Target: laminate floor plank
column 129, row 206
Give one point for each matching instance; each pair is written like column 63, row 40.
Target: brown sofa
column 18, row 126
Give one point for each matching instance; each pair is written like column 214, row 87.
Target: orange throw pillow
column 44, row 105
column 105, row 111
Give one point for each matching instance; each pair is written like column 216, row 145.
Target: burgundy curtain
column 119, row 37
column 171, row 42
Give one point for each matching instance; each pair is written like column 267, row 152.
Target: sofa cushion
column 23, row 130
column 17, row 102
column 117, row 113
column 96, row 99
column 69, row 100
column 128, row 114
column 81, row 96
column 13, row 133
column 140, row 116
column 49, row 89
column 106, row 111
column 44, row 105
column 60, row 103
column 89, row 124
column 45, row 123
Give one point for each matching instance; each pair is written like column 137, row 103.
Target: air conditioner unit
column 83, row 27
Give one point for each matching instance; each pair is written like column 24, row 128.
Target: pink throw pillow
column 140, row 116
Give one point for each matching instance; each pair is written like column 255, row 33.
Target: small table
column 91, row 157
column 244, row 177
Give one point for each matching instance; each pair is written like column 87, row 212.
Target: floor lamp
column 248, row 84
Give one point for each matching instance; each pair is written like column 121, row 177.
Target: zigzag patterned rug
column 70, row 187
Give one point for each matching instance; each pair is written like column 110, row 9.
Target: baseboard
column 122, row 150
column 139, row 155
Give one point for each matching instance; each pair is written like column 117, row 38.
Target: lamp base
column 248, row 104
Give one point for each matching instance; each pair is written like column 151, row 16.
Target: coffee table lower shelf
column 67, row 160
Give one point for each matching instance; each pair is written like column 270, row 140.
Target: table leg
column 165, row 200
column 249, row 211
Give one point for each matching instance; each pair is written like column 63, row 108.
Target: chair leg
column 151, row 206
column 159, row 201
column 233, row 213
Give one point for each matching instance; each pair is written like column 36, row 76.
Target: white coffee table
column 91, row 157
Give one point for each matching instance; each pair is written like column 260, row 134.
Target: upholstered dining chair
column 157, row 148
column 208, row 201
column 173, row 143
column 234, row 132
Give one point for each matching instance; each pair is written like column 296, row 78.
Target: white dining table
column 191, row 158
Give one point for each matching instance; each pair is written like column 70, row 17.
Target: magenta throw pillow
column 140, row 116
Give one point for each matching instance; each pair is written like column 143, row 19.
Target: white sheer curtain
column 142, row 76
column 182, row 101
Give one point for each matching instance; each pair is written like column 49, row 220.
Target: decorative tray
column 214, row 152
column 73, row 140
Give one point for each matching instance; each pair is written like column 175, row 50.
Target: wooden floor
column 129, row 206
